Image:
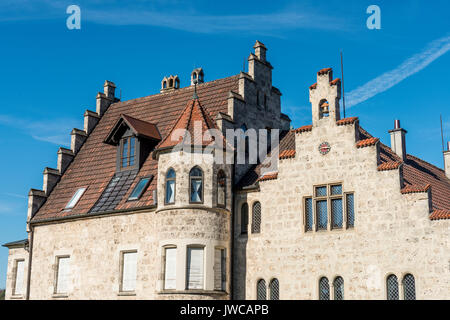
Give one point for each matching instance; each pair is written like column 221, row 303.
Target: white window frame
column 58, row 280
column 165, row 263
column 75, row 198
column 202, row 265
column 16, row 279
column 122, row 271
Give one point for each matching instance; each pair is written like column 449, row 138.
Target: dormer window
column 128, row 154
column 134, row 140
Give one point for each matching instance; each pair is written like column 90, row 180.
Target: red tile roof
column 367, row 142
column 324, row 71
column 335, row 81
column 304, row 129
column 193, row 115
column 95, row 163
column 390, row 165
column 313, row 86
column 286, row 154
column 269, row 176
column 440, row 215
column 346, row 121
column 142, row 128
column 415, row 188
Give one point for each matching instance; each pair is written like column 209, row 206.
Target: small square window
column 321, row 191
column 75, row 198
column 336, row 189
column 140, row 188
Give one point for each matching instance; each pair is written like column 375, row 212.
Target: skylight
column 140, row 188
column 76, row 197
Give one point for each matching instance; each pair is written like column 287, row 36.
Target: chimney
column 197, row 76
column 260, row 50
column 103, row 102
column 77, row 139
column 51, row 178
column 109, row 88
column 398, row 144
column 35, row 200
column 447, row 160
column 170, row 83
column 90, row 121
column 65, row 157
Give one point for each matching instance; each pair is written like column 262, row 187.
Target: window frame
column 264, row 285
column 223, row 268
column 388, row 276
column 174, row 179
column 202, row 179
column 164, row 266
column 253, row 217
column 271, row 282
column 144, row 189
column 319, row 288
column 195, row 246
column 329, row 199
column 56, row 282
column 120, row 150
column 335, row 288
column 15, row 273
column 122, row 269
column 67, row 208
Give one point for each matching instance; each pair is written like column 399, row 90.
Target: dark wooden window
column 128, row 152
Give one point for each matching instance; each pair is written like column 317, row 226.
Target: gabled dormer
column 134, row 140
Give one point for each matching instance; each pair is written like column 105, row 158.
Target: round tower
column 194, row 208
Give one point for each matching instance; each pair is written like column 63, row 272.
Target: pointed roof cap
column 195, row 122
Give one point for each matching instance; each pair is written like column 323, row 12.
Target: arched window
column 244, row 218
column 324, row 109
column 170, row 186
column 221, row 188
column 338, row 286
column 324, row 289
column 261, row 290
column 409, row 287
column 274, row 289
column 392, row 287
column 196, row 185
column 256, row 218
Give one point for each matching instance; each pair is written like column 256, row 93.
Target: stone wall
column 392, row 232
column 94, row 246
column 16, row 254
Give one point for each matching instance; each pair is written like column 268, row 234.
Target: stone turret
column 324, row 96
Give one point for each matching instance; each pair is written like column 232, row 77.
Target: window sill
column 16, row 297
column 60, row 295
column 196, row 292
column 126, row 294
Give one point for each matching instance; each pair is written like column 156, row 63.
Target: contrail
column 412, row 65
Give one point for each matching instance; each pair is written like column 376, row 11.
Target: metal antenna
column 442, row 135
column 343, row 90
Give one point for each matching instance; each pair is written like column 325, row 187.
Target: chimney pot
column 398, row 142
column 447, row 160
column 109, row 89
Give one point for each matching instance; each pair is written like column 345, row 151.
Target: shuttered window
column 62, row 275
column 194, row 272
column 129, row 266
column 220, row 269
column 18, row 284
column 170, row 269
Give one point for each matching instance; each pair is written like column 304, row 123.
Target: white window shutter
column 18, row 287
column 170, row 269
column 129, row 271
column 195, row 268
column 62, row 282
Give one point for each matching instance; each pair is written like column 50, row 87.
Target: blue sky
column 50, row 75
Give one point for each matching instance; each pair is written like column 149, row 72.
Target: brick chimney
column 447, row 160
column 398, row 144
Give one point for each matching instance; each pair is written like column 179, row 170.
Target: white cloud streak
column 55, row 131
column 412, row 65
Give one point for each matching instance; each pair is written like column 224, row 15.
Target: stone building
column 128, row 214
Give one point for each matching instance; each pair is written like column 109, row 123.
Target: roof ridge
column 430, row 164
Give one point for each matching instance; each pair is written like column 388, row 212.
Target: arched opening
column 244, row 218
column 324, row 289
column 324, row 109
column 170, row 186
column 274, row 289
column 261, row 290
column 392, row 287
column 196, row 185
